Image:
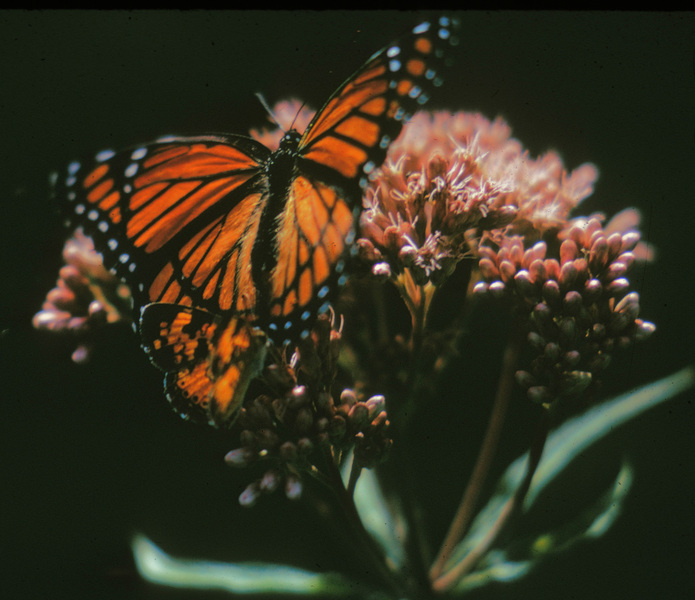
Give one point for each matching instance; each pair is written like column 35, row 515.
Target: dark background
column 91, row 454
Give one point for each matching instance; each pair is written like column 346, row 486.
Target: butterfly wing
column 175, row 218
column 177, row 340
column 350, row 135
column 314, row 231
column 344, row 142
column 208, row 363
column 236, row 357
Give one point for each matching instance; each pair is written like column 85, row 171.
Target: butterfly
column 224, row 228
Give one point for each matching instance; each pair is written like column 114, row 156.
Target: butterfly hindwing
column 208, row 363
column 178, row 341
column 236, row 357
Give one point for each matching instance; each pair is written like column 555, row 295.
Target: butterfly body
column 225, row 225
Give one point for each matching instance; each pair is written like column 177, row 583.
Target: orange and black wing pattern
column 351, row 133
column 175, row 218
column 208, row 363
column 225, row 241
column 347, row 139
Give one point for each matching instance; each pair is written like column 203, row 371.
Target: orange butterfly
column 258, row 238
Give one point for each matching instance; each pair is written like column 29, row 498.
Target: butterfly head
column 290, row 142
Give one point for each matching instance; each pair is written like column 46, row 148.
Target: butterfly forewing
column 146, row 207
column 312, row 237
column 354, row 128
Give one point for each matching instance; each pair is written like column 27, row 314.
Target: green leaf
column 564, row 445
column 248, row 579
column 523, row 555
column 387, row 529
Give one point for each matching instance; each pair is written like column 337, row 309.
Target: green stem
column 446, row 580
column 466, row 510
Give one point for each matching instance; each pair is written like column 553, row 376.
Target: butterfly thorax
column 280, row 167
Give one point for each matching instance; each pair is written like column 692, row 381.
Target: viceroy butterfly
column 231, row 235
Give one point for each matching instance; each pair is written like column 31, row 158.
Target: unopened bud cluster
column 301, row 425
column 579, row 303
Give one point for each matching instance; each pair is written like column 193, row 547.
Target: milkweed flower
column 86, row 296
column 448, row 179
column 457, row 186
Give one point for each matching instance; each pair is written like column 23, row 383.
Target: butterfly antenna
column 297, row 115
column 265, row 105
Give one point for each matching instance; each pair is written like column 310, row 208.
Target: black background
column 91, row 454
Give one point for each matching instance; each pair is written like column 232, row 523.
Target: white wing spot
column 104, row 155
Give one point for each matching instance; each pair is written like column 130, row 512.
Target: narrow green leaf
column 157, row 566
column 566, row 443
column 379, row 520
column 573, row 437
column 521, row 556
